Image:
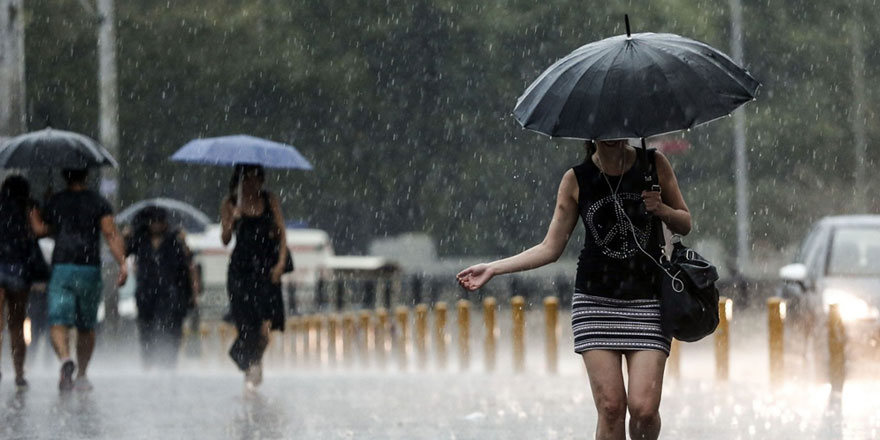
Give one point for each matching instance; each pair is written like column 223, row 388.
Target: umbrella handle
column 626, row 20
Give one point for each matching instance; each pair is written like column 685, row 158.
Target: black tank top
column 610, row 264
column 256, row 242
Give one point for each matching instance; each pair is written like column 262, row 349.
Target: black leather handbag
column 688, row 296
column 687, row 291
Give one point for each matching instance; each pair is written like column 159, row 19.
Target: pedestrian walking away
column 20, row 264
column 165, row 285
column 76, row 217
column 615, row 310
column 253, row 216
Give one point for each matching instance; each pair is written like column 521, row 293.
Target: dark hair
column 17, row 189
column 72, row 176
column 590, row 145
column 140, row 224
column 239, row 172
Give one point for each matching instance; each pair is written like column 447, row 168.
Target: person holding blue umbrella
column 253, row 216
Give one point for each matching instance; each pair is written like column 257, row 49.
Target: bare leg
column 17, row 312
column 605, row 371
column 60, row 341
column 645, row 372
column 85, row 346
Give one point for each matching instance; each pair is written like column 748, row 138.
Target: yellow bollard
column 673, row 362
column 225, row 330
column 776, row 331
column 290, row 338
column 551, row 340
column 401, row 314
column 489, row 305
column 382, row 337
column 518, row 305
column 421, row 336
column 366, row 338
column 349, row 333
column 464, row 324
column 320, row 354
column 440, row 309
column 722, row 339
column 836, row 348
column 333, row 351
column 204, row 335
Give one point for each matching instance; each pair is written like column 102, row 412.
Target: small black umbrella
column 634, row 86
column 51, row 148
column 181, row 214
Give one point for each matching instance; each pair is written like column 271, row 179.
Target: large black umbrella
column 634, row 86
column 53, row 148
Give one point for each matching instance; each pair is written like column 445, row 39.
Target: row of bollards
column 776, row 312
column 380, row 338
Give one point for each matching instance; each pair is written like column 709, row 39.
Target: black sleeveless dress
column 253, row 298
column 615, row 305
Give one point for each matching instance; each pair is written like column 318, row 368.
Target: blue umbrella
column 241, row 149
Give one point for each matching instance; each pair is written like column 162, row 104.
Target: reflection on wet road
column 414, row 406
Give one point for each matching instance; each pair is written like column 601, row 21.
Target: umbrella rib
column 696, row 97
column 594, row 109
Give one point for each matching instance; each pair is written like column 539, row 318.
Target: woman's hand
column 653, row 202
column 475, row 276
column 277, row 271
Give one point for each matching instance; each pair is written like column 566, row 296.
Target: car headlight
column 851, row 307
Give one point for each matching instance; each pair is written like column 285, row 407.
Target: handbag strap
column 649, row 170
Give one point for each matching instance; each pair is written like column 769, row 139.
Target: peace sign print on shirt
column 610, row 228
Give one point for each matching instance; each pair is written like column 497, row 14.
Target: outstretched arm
column 228, row 215
column 564, row 219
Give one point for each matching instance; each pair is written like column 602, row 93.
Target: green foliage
column 404, row 107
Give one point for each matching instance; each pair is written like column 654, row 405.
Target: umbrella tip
column 626, row 21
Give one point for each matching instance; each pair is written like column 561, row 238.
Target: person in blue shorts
column 76, row 217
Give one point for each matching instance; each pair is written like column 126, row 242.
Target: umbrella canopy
column 54, row 148
column 180, row 214
column 241, row 149
column 634, row 86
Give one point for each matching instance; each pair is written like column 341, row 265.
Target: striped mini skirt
column 600, row 323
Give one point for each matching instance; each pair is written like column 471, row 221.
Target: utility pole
column 12, row 83
column 743, row 249
column 108, row 120
column 108, row 123
column 857, row 115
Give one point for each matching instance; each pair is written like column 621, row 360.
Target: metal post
column 464, row 324
column 367, row 337
column 836, row 348
column 743, row 248
column 489, row 305
column 401, row 345
column 551, row 339
column 722, row 339
column 421, row 336
column 440, row 310
column 775, row 325
column 382, row 336
column 518, row 305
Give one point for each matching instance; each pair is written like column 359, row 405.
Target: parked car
column 838, row 263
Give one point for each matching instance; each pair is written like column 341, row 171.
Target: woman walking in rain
column 166, row 285
column 20, row 224
column 615, row 310
column 254, row 216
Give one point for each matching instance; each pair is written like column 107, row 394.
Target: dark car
column 838, row 263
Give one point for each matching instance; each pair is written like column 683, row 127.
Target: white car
column 838, row 263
